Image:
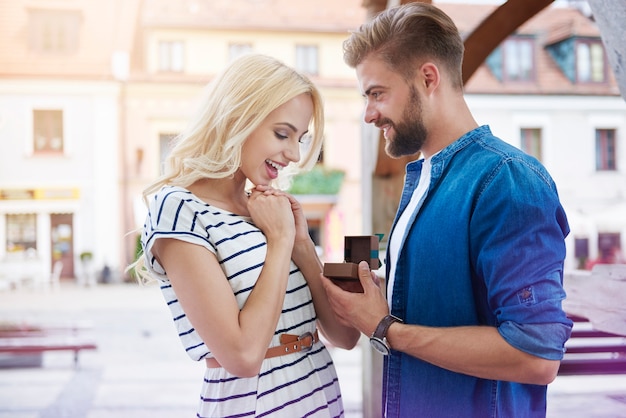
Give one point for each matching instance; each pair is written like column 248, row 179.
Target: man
column 472, row 323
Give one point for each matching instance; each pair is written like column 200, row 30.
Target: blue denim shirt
column 485, row 248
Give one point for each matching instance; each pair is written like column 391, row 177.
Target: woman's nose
column 293, row 151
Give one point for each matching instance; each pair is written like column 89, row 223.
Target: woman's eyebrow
column 287, row 124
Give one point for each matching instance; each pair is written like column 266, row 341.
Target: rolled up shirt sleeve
column 521, row 247
column 541, row 340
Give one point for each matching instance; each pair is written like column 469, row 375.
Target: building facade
column 60, row 135
column 91, row 94
column 549, row 90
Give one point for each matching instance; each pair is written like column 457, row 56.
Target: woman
column 237, row 266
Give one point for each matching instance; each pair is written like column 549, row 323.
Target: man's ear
column 429, row 76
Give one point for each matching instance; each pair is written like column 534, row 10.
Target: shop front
column 36, row 232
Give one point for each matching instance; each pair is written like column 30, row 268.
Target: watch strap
column 383, row 326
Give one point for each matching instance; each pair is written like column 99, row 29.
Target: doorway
column 62, row 242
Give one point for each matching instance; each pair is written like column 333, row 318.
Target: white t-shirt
column 397, row 237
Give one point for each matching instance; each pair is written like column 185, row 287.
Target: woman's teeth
column 273, row 164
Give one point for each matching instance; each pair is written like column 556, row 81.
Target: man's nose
column 370, row 115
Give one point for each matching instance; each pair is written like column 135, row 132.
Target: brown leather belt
column 289, row 344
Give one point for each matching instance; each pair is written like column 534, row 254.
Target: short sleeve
column 173, row 213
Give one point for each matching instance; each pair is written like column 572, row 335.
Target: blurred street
column 140, row 369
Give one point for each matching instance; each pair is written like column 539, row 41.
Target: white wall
column 89, row 163
column 568, row 126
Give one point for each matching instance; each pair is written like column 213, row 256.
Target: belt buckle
column 302, row 337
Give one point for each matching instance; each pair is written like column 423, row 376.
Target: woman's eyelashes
column 304, row 139
column 281, row 135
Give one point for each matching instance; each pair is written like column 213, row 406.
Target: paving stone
column 140, row 369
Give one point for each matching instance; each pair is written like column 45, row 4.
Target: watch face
column 379, row 345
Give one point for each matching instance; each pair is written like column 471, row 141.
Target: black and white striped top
column 294, row 385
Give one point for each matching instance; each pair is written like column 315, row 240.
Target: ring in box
column 356, row 249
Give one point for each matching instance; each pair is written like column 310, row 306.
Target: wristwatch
column 378, row 340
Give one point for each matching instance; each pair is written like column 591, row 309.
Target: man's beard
column 410, row 133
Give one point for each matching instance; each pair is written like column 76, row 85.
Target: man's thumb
column 365, row 274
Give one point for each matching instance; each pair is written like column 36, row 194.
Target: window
column 171, row 56
column 609, row 246
column 315, row 231
column 237, row 50
column 605, row 150
column 518, row 59
column 47, row 131
column 306, row 59
column 530, row 141
column 55, row 31
column 590, row 66
column 165, row 147
column 581, row 251
column 21, row 233
column 62, row 237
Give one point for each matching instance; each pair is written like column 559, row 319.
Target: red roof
column 303, row 15
column 551, row 25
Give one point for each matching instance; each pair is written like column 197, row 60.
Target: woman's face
column 276, row 142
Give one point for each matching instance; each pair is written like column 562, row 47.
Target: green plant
column 132, row 273
column 86, row 256
column 319, row 180
column 138, row 247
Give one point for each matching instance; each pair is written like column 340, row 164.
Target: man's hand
column 362, row 311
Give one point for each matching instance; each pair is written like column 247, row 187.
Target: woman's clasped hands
column 271, row 211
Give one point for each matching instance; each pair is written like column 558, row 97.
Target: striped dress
column 302, row 384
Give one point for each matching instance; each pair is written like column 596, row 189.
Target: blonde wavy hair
column 234, row 104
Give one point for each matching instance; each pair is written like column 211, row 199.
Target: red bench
column 590, row 351
column 29, row 340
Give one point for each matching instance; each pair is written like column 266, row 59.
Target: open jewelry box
column 357, row 248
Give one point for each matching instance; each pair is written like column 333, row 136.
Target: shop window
column 21, row 233
column 606, row 150
column 530, row 141
column 48, row 131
